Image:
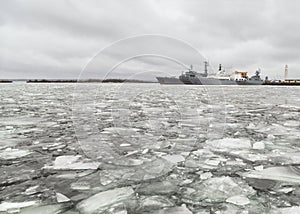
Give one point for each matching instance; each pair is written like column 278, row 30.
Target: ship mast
column 205, row 68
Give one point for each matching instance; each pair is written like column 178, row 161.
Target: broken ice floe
column 33, row 207
column 240, row 200
column 214, row 190
column 9, row 153
column 281, row 174
column 15, row 206
column 101, row 201
column 69, row 162
column 149, row 152
column 173, row 210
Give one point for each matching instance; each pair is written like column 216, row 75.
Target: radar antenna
column 258, row 72
column 191, row 68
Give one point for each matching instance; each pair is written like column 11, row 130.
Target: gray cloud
column 56, row 39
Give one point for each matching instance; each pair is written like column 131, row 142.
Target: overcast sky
column 58, row 38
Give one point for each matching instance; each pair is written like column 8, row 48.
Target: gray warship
column 192, row 77
column 254, row 80
column 189, row 77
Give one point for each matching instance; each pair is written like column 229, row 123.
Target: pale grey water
column 147, row 148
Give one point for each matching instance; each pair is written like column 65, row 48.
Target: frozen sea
column 149, row 148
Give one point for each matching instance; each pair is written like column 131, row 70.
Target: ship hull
column 250, row 82
column 207, row 81
column 194, row 81
column 204, row 81
column 215, row 81
column 169, row 80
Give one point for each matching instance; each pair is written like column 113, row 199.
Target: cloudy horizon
column 57, row 39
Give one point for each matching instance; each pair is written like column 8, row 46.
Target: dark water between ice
column 148, row 148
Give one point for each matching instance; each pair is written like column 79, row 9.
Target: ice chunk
column 61, row 198
column 145, row 151
column 164, row 187
column 285, row 190
column 125, row 144
column 127, row 161
column 288, row 158
column 173, row 210
column 154, row 203
column 245, row 155
column 206, row 175
column 284, row 174
column 54, row 146
column 116, row 209
column 174, row 158
column 292, row 123
column 9, row 153
column 75, row 174
column 32, row 190
column 204, row 159
column 102, row 200
column 149, row 170
column 186, row 182
column 216, row 189
column 279, row 130
column 259, row 145
column 46, row 209
column 213, row 162
column 271, row 137
column 259, row 168
column 230, row 143
column 69, row 162
column 80, row 186
column 123, row 131
column 7, row 206
column 286, row 210
column 238, row 200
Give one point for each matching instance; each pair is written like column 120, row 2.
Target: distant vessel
column 188, row 77
column 254, row 80
column 192, row 77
